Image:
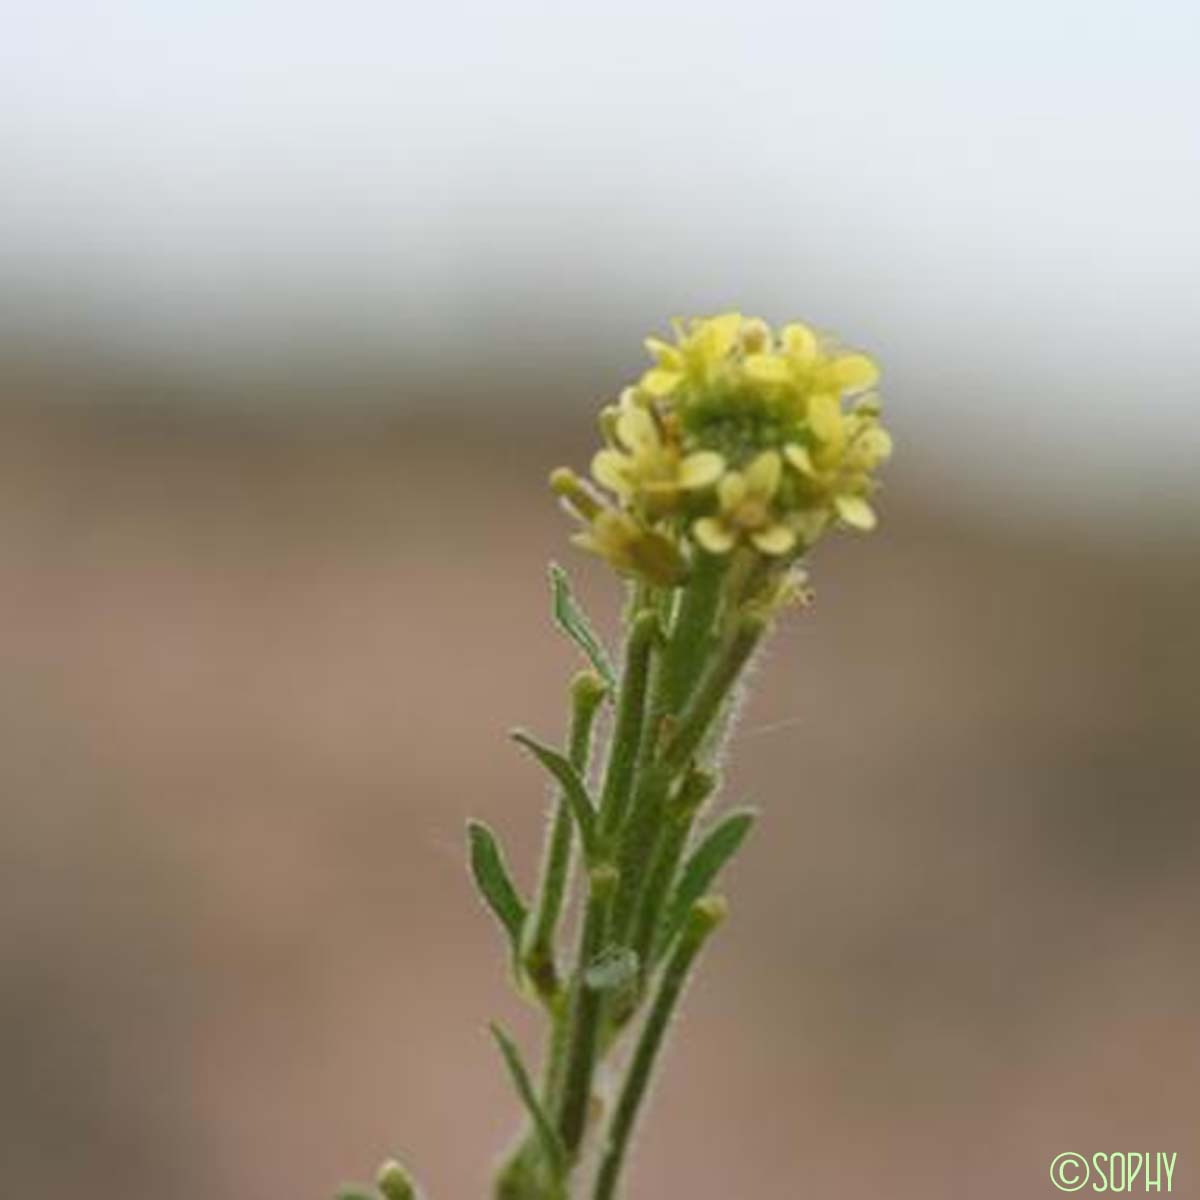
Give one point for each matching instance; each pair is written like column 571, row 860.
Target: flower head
column 739, row 439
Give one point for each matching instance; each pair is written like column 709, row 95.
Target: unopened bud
column 609, row 415
column 394, row 1182
column 756, row 336
column 587, row 690
column 570, row 487
column 705, row 915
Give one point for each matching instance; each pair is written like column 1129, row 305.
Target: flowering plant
column 722, row 467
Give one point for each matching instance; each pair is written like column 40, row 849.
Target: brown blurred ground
column 257, row 675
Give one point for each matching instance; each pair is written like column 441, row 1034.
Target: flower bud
column 394, row 1182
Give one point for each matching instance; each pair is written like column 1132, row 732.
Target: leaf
column 612, row 968
column 494, row 882
column 712, row 852
column 552, row 1145
column 354, row 1193
column 582, row 808
column 573, row 621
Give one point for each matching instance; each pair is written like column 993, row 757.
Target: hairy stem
column 706, row 914
column 680, row 814
column 689, row 729
column 691, row 634
column 627, row 730
column 712, row 693
column 584, row 1014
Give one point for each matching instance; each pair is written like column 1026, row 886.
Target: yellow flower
column 811, row 376
column 649, row 466
column 700, row 350
column 826, row 367
column 838, row 469
column 747, row 511
column 621, row 541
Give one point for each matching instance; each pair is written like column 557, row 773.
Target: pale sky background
column 1000, row 201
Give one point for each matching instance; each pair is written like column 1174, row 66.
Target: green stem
column 706, row 914
column 680, row 815
column 627, row 730
column 712, row 693
column 687, row 651
column 637, row 842
column 691, row 633
column 584, row 1014
column 640, row 833
column 587, row 694
column 575, row 1017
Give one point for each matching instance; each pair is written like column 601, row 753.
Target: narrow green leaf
column 712, row 852
column 572, row 620
column 613, row 967
column 494, row 882
column 582, row 808
column 552, row 1145
column 355, row 1193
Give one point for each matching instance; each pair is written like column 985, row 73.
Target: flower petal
column 723, row 332
column 660, row 382
column 800, row 458
column 637, row 429
column 800, row 343
column 731, row 490
column 855, row 511
column 762, row 475
column 666, row 355
column 852, row 372
column 767, row 368
column 774, row 540
column 701, row 470
column 825, row 416
column 610, row 469
column 715, row 536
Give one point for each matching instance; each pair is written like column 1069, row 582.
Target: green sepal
column 573, row 621
column 704, row 863
column 582, row 808
column 495, row 884
column 551, row 1143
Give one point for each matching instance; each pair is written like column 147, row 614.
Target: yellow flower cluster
column 736, row 436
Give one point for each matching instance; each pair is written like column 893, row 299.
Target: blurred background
column 299, row 304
